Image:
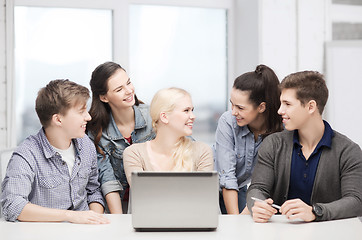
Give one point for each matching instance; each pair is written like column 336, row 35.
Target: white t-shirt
column 68, row 156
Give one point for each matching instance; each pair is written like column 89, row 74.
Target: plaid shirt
column 36, row 173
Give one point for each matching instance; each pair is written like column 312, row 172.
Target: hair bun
column 259, row 69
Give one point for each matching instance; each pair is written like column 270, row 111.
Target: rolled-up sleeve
column 108, row 180
column 225, row 156
column 16, row 187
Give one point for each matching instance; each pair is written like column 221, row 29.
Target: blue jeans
column 241, row 200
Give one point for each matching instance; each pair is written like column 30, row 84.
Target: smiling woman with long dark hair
column 118, row 120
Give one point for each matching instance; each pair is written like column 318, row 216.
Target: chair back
column 5, row 156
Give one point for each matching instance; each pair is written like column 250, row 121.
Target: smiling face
column 294, row 114
column 242, row 109
column 120, row 92
column 181, row 119
column 74, row 121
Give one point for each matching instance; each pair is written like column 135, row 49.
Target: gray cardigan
column 338, row 182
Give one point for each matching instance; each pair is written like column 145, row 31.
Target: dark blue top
column 302, row 170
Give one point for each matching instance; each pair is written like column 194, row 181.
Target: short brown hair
column 309, row 85
column 58, row 96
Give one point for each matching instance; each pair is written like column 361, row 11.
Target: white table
column 239, row 227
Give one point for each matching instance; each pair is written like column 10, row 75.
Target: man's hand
column 296, row 208
column 263, row 211
column 86, row 217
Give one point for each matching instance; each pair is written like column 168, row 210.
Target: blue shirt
column 37, row 174
column 235, row 152
column 112, row 143
column 302, row 170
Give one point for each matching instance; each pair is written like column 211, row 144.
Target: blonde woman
column 172, row 116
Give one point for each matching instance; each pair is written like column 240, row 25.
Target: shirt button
column 305, row 175
column 63, row 163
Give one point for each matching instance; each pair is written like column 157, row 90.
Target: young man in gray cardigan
column 312, row 171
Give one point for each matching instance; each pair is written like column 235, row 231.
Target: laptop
column 175, row 201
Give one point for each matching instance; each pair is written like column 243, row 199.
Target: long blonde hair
column 165, row 100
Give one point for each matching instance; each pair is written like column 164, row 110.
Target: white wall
column 288, row 36
column 278, row 48
column 344, row 79
column 247, row 36
column 292, row 35
column 313, row 26
column 3, row 135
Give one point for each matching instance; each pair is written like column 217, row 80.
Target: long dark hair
column 263, row 86
column 100, row 111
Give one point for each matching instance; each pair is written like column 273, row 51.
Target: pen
column 259, row 200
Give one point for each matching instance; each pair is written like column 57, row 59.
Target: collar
column 242, row 130
column 48, row 149
column 326, row 139
column 140, row 122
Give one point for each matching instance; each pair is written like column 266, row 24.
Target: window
column 184, row 47
column 55, row 43
column 182, row 43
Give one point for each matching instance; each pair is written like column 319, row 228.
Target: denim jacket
column 112, row 143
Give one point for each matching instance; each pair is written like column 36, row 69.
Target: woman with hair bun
column 172, row 116
column 254, row 102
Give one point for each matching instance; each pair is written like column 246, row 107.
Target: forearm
column 36, row 213
column 231, row 200
column 96, row 207
column 114, row 202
